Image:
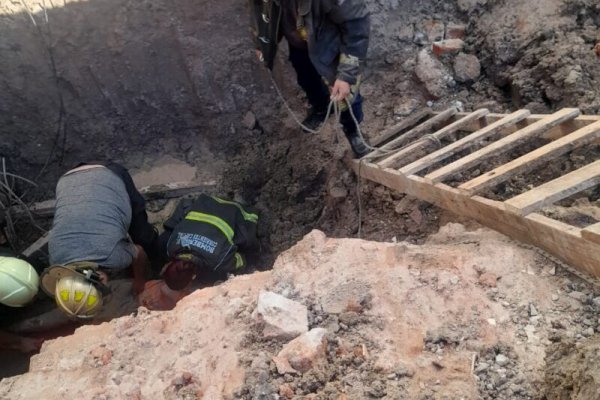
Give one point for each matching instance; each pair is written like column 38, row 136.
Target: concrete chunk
column 283, row 318
column 467, row 68
column 304, row 352
column 433, row 74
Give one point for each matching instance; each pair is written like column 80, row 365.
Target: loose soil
column 138, row 81
column 188, row 86
column 468, row 314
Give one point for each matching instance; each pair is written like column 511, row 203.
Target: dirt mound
column 468, row 315
column 573, row 371
column 541, row 52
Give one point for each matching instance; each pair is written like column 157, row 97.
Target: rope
column 334, row 106
column 331, row 106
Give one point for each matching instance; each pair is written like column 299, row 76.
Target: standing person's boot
column 350, row 119
column 359, row 146
column 315, row 118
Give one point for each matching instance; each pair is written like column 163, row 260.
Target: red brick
column 456, row 31
column 447, row 46
column 305, row 351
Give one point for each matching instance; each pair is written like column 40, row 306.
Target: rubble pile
column 469, row 314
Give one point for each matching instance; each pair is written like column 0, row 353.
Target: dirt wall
column 118, row 79
column 131, row 81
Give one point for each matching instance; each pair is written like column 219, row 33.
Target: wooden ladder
column 422, row 153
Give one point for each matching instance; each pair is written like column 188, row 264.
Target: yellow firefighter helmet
column 76, row 293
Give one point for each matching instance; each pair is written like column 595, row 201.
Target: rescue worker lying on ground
column 328, row 42
column 205, row 235
column 100, row 229
column 18, row 286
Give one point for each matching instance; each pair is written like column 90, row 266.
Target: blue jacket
column 338, row 34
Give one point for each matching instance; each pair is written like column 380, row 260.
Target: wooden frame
column 516, row 217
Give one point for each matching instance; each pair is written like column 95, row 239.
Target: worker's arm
column 178, row 215
column 352, row 19
column 11, row 341
column 246, row 227
column 140, row 268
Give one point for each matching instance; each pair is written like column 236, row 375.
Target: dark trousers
column 317, row 92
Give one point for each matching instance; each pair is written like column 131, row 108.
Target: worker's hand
column 340, row 90
column 259, row 55
column 103, row 277
column 30, row 345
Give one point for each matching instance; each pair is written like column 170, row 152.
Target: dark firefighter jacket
column 211, row 231
column 338, row 34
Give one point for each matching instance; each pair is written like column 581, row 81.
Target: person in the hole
column 205, row 235
column 18, row 287
column 100, row 229
column 328, row 42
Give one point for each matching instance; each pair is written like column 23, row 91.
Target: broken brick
column 306, row 351
column 447, row 46
column 456, row 31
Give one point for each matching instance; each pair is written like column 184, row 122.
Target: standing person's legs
column 310, row 81
column 346, row 117
column 359, row 146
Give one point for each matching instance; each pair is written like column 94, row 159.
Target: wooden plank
column 417, row 147
column 592, row 233
column 45, row 209
column 37, row 245
column 559, row 239
column 402, row 125
column 530, row 160
column 176, row 189
column 42, row 209
column 413, row 133
column 556, row 190
column 554, row 133
column 487, row 132
column 503, row 145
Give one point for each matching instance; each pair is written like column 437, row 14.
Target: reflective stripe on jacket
column 212, row 230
